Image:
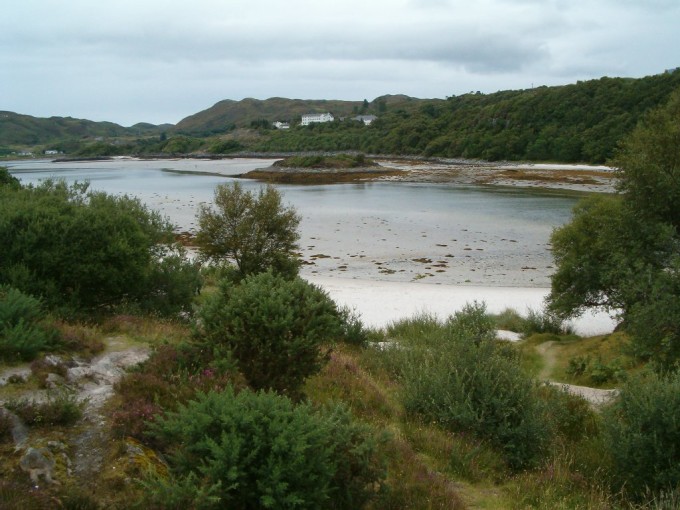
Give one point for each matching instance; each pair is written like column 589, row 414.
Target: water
column 438, row 233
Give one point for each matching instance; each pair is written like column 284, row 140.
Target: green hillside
column 227, row 115
column 25, row 130
column 579, row 122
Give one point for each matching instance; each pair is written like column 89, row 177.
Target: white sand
column 381, row 302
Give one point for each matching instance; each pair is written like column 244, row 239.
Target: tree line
column 581, row 122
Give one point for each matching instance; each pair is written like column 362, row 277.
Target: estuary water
column 393, row 231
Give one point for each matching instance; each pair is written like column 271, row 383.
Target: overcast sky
column 158, row 61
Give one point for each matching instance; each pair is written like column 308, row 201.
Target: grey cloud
column 478, row 50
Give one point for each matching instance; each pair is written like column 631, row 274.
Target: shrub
column 460, row 378
column 273, row 328
column 61, row 408
column 88, row 251
column 544, row 322
column 259, row 450
column 22, row 335
column 595, row 370
column 171, row 376
column 175, row 282
column 86, row 340
column 510, row 320
column 353, row 330
column 472, row 323
column 642, row 435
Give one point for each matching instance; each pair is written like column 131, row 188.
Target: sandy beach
column 379, row 302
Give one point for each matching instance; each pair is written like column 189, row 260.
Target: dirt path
column 549, row 359
column 595, row 396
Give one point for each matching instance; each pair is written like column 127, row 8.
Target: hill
column 228, row 114
column 25, row 130
column 581, row 122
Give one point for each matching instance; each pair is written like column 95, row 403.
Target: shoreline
column 382, row 302
column 555, row 176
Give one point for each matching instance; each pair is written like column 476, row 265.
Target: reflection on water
column 439, row 233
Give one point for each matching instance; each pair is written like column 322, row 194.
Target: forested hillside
column 228, row 115
column 581, row 122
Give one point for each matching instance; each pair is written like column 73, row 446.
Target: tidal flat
column 387, row 248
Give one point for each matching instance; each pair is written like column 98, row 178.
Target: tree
column 8, row 180
column 255, row 231
column 649, row 165
column 82, row 251
column 622, row 253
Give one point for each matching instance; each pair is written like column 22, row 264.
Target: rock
column 56, row 446
column 54, row 380
column 15, row 375
column 53, row 360
column 37, row 462
column 19, row 430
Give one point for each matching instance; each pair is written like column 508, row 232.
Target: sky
column 158, row 61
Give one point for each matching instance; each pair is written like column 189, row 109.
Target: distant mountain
column 228, row 114
column 17, row 129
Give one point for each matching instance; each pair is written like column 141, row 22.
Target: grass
column 600, row 361
column 427, row 467
column 61, row 408
column 337, row 161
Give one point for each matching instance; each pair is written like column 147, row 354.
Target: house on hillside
column 281, row 125
column 310, row 118
column 366, row 119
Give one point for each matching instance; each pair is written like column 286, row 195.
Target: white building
column 281, row 125
column 309, row 118
column 366, row 119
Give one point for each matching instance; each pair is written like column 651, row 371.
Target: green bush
column 259, row 450
column 90, row 252
column 472, row 323
column 456, row 375
column 510, row 320
column 353, row 330
column 643, row 437
column 597, row 371
column 544, row 322
column 275, row 329
column 22, row 335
